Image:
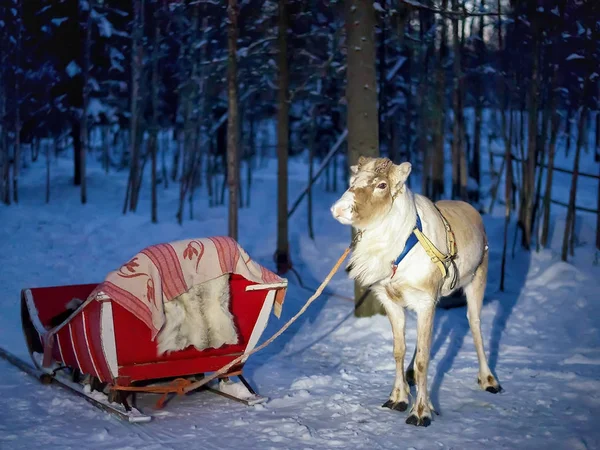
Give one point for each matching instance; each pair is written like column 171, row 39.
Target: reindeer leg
column 420, row 414
column 474, row 292
column 410, row 371
column 399, row 397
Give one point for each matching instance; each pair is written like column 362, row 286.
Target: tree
column 153, row 144
column 437, row 189
column 361, row 98
column 282, row 254
column 135, row 139
column 459, row 184
column 86, row 97
column 233, row 179
column 532, row 129
column 18, row 123
column 478, row 92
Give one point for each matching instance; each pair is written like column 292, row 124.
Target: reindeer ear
column 353, row 170
column 400, row 173
column 361, row 161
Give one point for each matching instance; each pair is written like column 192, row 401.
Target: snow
column 59, row 20
column 392, row 73
column 94, row 86
column 116, row 58
column 329, row 374
column 574, row 56
column 105, row 28
column 73, row 69
column 96, row 107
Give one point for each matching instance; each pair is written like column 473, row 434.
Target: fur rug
column 199, row 317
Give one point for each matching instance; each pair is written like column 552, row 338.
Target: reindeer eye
column 381, row 186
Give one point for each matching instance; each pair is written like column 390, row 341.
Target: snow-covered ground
column 328, row 376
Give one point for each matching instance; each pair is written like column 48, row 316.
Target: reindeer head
column 374, row 185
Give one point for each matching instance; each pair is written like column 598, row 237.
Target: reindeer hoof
column 494, row 389
column 419, row 422
column 399, row 406
column 410, row 377
column 490, row 385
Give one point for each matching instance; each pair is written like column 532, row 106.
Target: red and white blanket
column 160, row 273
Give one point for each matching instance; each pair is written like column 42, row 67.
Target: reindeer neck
column 382, row 243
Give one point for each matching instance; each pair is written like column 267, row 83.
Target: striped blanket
column 160, row 273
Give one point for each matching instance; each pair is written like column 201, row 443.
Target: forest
column 199, row 93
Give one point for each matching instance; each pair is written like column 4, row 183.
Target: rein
column 243, row 357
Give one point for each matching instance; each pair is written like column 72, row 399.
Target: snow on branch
column 447, row 12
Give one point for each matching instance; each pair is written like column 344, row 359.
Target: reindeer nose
column 342, row 209
column 336, row 210
column 339, row 209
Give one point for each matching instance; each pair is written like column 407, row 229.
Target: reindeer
column 404, row 273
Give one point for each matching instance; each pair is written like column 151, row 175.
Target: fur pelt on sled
column 199, row 317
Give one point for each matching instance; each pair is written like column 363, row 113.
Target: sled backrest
column 51, row 301
column 133, row 337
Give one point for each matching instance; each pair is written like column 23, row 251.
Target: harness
column 437, row 257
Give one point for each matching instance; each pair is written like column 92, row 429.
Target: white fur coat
column 199, row 317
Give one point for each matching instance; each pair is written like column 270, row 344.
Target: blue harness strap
column 410, row 243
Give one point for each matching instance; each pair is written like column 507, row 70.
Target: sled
column 113, row 350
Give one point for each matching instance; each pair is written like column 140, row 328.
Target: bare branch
column 418, row 5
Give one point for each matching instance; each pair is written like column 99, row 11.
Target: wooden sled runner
column 113, row 350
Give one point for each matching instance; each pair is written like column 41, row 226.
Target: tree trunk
column 408, row 120
column 569, row 234
column 549, row 175
column 154, row 133
column 530, row 165
column 549, row 107
column 176, row 154
column 86, row 99
column 17, row 160
column 165, row 148
column 384, row 96
column 136, row 69
column 311, row 157
column 76, row 136
column 424, row 114
column 35, row 149
column 209, row 179
column 48, row 170
column 475, row 165
column 457, row 135
column 568, row 125
column 185, row 144
column 189, row 98
column 4, row 150
column 232, row 120
column 225, row 180
column 598, row 219
column 597, row 140
column 251, row 155
column 3, row 154
column 437, row 189
column 508, row 187
column 361, row 96
column 106, row 148
column 282, row 254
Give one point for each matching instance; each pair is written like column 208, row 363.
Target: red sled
column 114, row 349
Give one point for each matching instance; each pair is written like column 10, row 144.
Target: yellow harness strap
column 437, row 257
